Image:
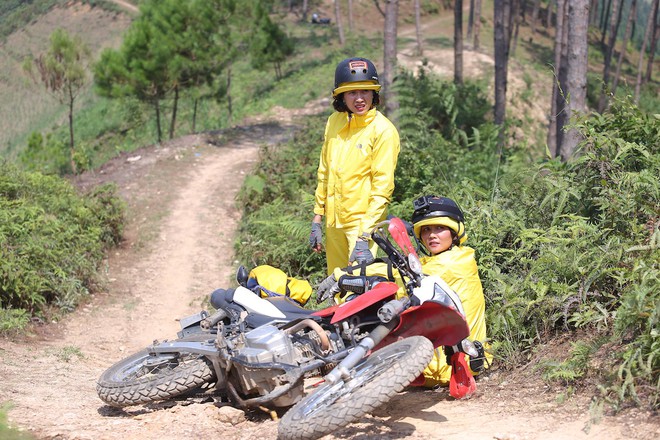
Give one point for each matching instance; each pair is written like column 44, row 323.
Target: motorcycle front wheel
column 373, row 382
column 143, row 378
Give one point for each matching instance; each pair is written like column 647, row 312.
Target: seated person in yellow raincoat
column 438, row 223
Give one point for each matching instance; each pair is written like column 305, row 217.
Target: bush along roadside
column 52, row 243
column 574, row 249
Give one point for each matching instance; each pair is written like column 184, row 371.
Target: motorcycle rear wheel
column 373, row 382
column 143, row 378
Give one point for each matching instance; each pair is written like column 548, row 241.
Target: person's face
column 359, row 101
column 436, row 238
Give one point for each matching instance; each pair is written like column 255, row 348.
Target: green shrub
column 49, row 155
column 446, row 136
column 52, row 241
column 568, row 246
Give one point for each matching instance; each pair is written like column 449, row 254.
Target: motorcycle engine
column 262, row 346
column 267, row 344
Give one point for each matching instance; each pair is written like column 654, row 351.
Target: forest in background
column 563, row 245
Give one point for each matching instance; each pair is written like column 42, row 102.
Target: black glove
column 315, row 236
column 327, row 289
column 361, row 253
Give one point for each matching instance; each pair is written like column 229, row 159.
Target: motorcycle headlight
column 414, row 264
column 468, row 347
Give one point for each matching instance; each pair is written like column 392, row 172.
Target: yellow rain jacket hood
column 356, row 169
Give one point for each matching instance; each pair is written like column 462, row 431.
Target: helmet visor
column 452, row 224
column 358, row 85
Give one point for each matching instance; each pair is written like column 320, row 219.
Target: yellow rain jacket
column 458, row 268
column 356, row 170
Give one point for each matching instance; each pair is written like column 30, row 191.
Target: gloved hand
column 361, row 253
column 316, row 237
column 327, row 289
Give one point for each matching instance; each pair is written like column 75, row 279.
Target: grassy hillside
column 26, row 107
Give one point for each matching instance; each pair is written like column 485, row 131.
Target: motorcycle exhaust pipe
column 325, row 341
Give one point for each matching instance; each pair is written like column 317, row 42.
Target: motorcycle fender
column 379, row 293
column 437, row 322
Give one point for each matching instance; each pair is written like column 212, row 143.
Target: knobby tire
column 132, row 381
column 373, row 382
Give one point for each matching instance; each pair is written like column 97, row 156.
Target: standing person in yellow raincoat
column 439, row 224
column 355, row 177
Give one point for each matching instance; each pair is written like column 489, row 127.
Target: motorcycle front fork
column 343, row 370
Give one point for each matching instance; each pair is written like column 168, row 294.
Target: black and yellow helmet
column 442, row 211
column 355, row 74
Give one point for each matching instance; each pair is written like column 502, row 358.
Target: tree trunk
column 418, row 29
column 562, row 92
column 174, row 109
column 593, row 12
column 477, row 23
column 516, row 25
column 624, row 45
column 604, row 15
column 458, row 42
column 554, row 103
column 509, row 25
column 609, row 49
column 501, row 12
column 470, row 27
column 194, row 118
column 340, row 28
column 390, row 33
column 305, row 6
column 230, row 110
column 548, row 17
column 159, row 131
column 647, row 36
column 576, row 79
column 72, row 145
column 350, row 16
column 654, row 42
column 535, row 15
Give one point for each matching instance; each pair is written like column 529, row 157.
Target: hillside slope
column 25, row 106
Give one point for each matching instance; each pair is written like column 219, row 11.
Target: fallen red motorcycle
column 259, row 350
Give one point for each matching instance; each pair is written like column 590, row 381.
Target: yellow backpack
column 268, row 281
